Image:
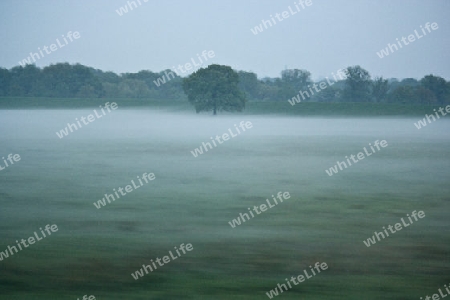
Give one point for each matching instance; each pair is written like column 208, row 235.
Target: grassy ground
column 252, row 107
column 193, row 199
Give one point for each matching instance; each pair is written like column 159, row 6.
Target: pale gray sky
column 321, row 38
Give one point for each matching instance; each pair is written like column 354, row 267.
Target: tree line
column 63, row 80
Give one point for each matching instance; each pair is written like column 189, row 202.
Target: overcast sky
column 321, row 38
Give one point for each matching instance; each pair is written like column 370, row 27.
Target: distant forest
column 63, row 80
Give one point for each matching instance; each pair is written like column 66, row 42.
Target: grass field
column 252, row 107
column 193, row 199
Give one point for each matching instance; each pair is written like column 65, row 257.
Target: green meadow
column 192, row 200
column 252, row 107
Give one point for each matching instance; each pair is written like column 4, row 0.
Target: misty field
column 192, row 200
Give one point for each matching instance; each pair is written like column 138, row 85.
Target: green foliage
column 403, row 94
column 425, row 96
column 410, row 82
column 380, row 88
column 292, row 82
column 24, row 81
column 214, row 88
column 357, row 85
column 297, row 79
column 430, row 90
column 248, row 82
column 438, row 86
column 327, row 95
column 268, row 91
column 63, row 80
column 5, row 82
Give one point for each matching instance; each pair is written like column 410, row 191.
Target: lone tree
column 214, row 89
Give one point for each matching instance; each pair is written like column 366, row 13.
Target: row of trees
column 354, row 85
column 64, row 81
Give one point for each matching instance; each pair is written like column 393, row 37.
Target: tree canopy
column 214, row 88
column 357, row 84
column 63, row 80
